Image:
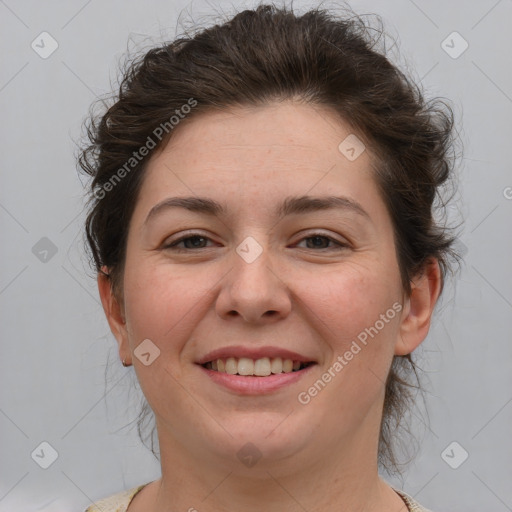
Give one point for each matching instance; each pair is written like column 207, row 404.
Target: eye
column 198, row 241
column 194, row 241
column 318, row 241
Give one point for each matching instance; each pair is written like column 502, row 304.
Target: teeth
column 262, row 367
column 287, row 365
column 231, row 366
column 245, row 366
column 259, row 367
column 276, row 365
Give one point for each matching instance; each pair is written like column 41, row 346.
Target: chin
column 263, row 439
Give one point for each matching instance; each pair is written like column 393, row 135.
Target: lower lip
column 251, row 385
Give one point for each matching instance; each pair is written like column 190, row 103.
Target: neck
column 342, row 477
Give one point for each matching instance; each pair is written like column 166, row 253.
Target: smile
column 262, row 367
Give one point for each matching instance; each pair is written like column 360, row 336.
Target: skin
column 312, row 298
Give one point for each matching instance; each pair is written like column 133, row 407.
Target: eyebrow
column 290, row 206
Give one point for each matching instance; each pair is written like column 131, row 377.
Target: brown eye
column 189, row 242
column 321, row 241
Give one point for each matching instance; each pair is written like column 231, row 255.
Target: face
column 263, row 281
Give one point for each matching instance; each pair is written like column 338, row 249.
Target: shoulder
column 115, row 503
column 412, row 504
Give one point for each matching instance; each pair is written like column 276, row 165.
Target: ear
column 115, row 315
column 418, row 308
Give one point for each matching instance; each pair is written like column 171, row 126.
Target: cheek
column 164, row 304
column 355, row 313
column 350, row 300
column 357, row 316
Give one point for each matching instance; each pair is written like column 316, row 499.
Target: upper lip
column 239, row 351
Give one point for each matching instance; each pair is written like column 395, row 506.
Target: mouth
column 263, row 370
column 261, row 367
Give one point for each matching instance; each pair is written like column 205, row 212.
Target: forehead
column 278, row 128
column 251, row 156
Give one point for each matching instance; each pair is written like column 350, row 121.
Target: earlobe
column 418, row 308
column 114, row 313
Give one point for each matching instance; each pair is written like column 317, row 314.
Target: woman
column 262, row 225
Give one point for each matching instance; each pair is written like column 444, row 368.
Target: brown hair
column 272, row 54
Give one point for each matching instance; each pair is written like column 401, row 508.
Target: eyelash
column 173, row 245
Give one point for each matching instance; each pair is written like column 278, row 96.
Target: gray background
column 56, row 343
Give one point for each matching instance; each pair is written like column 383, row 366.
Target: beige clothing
column 119, row 502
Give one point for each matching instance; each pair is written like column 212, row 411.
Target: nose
column 254, row 290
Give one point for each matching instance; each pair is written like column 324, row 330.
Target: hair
column 266, row 55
